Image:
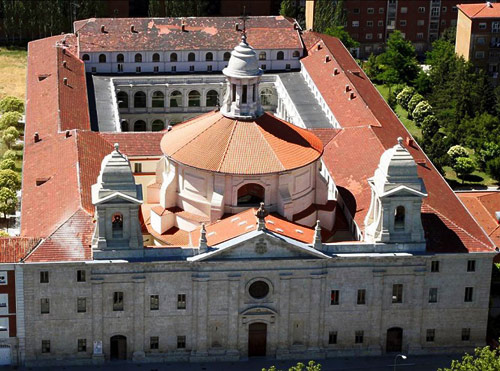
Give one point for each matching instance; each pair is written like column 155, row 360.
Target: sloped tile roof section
column 265, row 145
column 70, row 242
column 483, row 10
column 14, row 249
column 200, row 33
column 352, row 156
column 136, row 143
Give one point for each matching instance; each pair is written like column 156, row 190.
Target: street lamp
column 396, row 359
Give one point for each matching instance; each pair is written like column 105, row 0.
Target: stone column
column 139, row 307
column 97, row 321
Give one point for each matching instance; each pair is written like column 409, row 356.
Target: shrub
column 493, row 168
column 10, row 135
column 8, row 201
column 488, row 152
column 416, row 99
column 463, row 166
column 11, row 104
column 421, row 111
column 391, row 100
column 456, row 152
column 8, row 164
column 398, row 89
column 404, row 96
column 10, row 154
column 18, row 146
column 10, row 179
column 10, row 119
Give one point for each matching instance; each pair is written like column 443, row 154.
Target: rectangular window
column 420, row 22
column 355, row 11
column 469, row 291
column 495, row 27
column 82, row 345
column 471, row 265
column 4, row 303
column 454, row 9
column 369, row 23
column 380, row 23
column 482, row 26
column 334, row 297
column 137, row 167
column 156, row 69
column 181, row 301
column 358, row 339
column 3, row 278
column 332, row 337
column 287, row 67
column 404, row 10
column 429, row 336
column 433, row 295
column 120, row 67
column 81, row 305
column 244, row 94
column 443, row 22
column 94, row 69
column 465, row 334
column 173, row 68
column 138, row 69
column 181, row 342
column 370, row 10
column 369, row 36
column 421, row 9
column 117, row 301
column 355, row 23
column 380, row 36
column 361, row 297
column 154, row 302
column 420, row 35
column 263, row 66
column 435, row 266
column 44, row 306
column 444, row 9
column 45, row 346
column 480, row 41
column 191, row 68
column 154, row 342
column 80, row 276
column 44, row 277
column 397, row 293
column 402, row 23
column 209, row 68
column 381, row 10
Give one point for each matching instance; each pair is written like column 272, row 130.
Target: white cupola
column 242, row 100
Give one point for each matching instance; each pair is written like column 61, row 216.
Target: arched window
column 212, row 98
column 117, row 225
column 296, row 54
column 138, row 58
column 209, row 57
column 122, row 99
column 140, row 125
column 280, row 56
column 262, row 56
column 120, row 58
column 156, row 57
column 157, row 125
column 194, row 98
column 140, row 99
column 158, row 99
column 173, row 57
column 176, row 99
column 191, row 57
column 250, row 194
column 102, row 58
column 85, row 57
column 266, row 97
column 399, row 217
column 124, row 125
column 227, row 55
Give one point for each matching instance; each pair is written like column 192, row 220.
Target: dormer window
column 399, row 217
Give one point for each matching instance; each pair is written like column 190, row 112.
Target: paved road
column 413, row 363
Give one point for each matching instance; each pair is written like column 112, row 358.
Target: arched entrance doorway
column 257, row 339
column 394, row 339
column 118, row 347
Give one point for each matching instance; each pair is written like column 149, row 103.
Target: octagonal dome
column 217, row 143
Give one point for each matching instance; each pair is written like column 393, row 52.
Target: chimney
column 489, row 5
column 65, row 81
column 318, row 47
column 409, row 142
column 497, row 216
column 68, row 133
column 65, row 64
column 327, row 58
column 351, row 96
column 183, row 26
column 237, row 27
column 132, row 29
column 36, row 137
column 347, row 88
column 103, row 30
column 310, row 4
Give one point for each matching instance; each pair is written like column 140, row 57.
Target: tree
column 10, row 179
column 489, row 151
column 484, row 359
column 10, row 154
column 399, row 60
column 9, row 119
column 8, row 201
column 11, row 104
column 463, row 166
column 478, row 130
column 154, row 8
column 10, row 135
column 311, row 366
column 412, row 104
column 288, row 8
column 404, row 96
column 372, row 70
column 493, row 168
column 421, row 111
column 328, row 13
column 343, row 35
column 456, row 152
column 8, row 164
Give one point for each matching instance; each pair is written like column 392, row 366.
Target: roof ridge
column 235, row 123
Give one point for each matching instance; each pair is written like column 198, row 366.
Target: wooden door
column 118, row 347
column 394, row 339
column 257, row 339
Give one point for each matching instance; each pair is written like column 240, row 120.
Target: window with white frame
column 3, row 277
column 380, row 23
column 402, row 22
column 420, row 35
column 370, row 10
column 420, row 22
column 404, row 10
column 479, row 54
column 369, row 23
column 355, row 23
column 4, row 327
column 495, row 27
column 421, row 9
column 482, row 25
column 435, row 11
column 4, row 303
column 369, row 36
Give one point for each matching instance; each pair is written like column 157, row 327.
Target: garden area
column 450, row 108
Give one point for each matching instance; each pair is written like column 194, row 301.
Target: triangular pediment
column 403, row 191
column 260, row 245
column 117, row 198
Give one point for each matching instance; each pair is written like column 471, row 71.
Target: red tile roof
column 13, row 249
column 200, row 33
column 140, row 143
column 482, row 206
column 482, row 10
column 369, row 128
column 265, row 145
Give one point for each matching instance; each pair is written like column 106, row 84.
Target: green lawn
column 12, row 72
column 401, row 113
